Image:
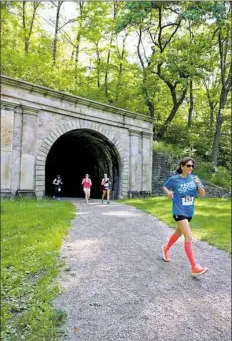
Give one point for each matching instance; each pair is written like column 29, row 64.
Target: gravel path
column 117, row 287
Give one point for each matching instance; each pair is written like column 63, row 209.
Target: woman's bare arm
column 169, row 193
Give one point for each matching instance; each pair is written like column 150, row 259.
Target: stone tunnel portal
column 79, row 152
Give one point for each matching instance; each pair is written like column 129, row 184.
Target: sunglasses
column 189, row 166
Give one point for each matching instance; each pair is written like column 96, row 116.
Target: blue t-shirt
column 185, row 192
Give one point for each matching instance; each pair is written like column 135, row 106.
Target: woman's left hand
column 200, row 189
column 196, row 180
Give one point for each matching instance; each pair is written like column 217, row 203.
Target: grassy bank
column 32, row 233
column 211, row 222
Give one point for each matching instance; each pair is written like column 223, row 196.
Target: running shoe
column 198, row 270
column 166, row 254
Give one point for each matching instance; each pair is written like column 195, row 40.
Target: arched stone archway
column 92, row 132
column 30, row 114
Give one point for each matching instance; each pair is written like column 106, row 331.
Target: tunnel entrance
column 79, row 152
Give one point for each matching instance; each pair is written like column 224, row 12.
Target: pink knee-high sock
column 189, row 252
column 172, row 240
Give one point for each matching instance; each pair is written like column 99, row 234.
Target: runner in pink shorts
column 87, row 183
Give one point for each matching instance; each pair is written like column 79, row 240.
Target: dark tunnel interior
column 79, row 152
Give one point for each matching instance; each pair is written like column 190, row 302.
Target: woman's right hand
column 170, row 194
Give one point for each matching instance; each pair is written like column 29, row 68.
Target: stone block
column 59, row 131
column 6, row 194
column 50, row 139
column 39, row 177
column 40, row 167
column 39, row 194
column 39, row 188
column 47, row 142
column 15, row 169
column 7, row 126
column 40, row 163
column 27, row 172
column 41, row 158
column 62, row 128
column 43, row 151
column 40, row 183
column 6, row 169
column 54, row 135
column 29, row 134
column 26, row 194
column 40, row 172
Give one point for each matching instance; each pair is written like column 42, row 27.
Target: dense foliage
column 169, row 60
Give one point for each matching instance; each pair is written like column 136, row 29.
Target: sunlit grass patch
column 211, row 222
column 32, row 233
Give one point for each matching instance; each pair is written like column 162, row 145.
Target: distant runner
column 87, row 183
column 57, row 182
column 105, row 183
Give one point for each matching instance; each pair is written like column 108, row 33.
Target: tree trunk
column 120, row 67
column 191, row 104
column 76, row 48
column 226, row 80
column 216, row 140
column 28, row 32
column 98, row 65
column 54, row 51
column 107, row 71
column 174, row 110
column 76, row 51
column 212, row 104
column 217, row 134
column 145, row 92
column 78, row 39
column 108, row 57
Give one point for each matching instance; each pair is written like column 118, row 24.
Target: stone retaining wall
column 164, row 166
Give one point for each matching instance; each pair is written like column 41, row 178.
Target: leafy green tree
column 223, row 36
column 168, row 60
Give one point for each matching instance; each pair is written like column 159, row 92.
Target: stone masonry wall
column 35, row 117
column 165, row 166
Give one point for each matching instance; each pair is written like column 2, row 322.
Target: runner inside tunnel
column 79, row 152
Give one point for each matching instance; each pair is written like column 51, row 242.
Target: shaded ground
column 117, row 287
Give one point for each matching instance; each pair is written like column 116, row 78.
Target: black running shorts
column 181, row 217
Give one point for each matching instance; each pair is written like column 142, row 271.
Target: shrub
column 203, row 169
column 172, row 150
column 221, row 177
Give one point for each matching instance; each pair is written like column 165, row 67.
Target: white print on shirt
column 188, row 200
column 187, row 187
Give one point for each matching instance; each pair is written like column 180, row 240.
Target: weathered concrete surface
column 117, row 287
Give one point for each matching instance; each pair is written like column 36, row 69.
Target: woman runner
column 86, row 183
column 57, row 182
column 183, row 189
column 105, row 188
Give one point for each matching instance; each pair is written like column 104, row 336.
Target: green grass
column 32, row 233
column 211, row 222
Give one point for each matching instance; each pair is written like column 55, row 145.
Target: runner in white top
column 105, row 183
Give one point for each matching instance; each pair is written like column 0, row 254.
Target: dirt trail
column 117, row 287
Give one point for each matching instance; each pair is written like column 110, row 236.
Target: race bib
column 59, row 189
column 188, row 200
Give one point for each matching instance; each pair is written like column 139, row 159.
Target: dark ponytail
column 183, row 162
column 179, row 170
